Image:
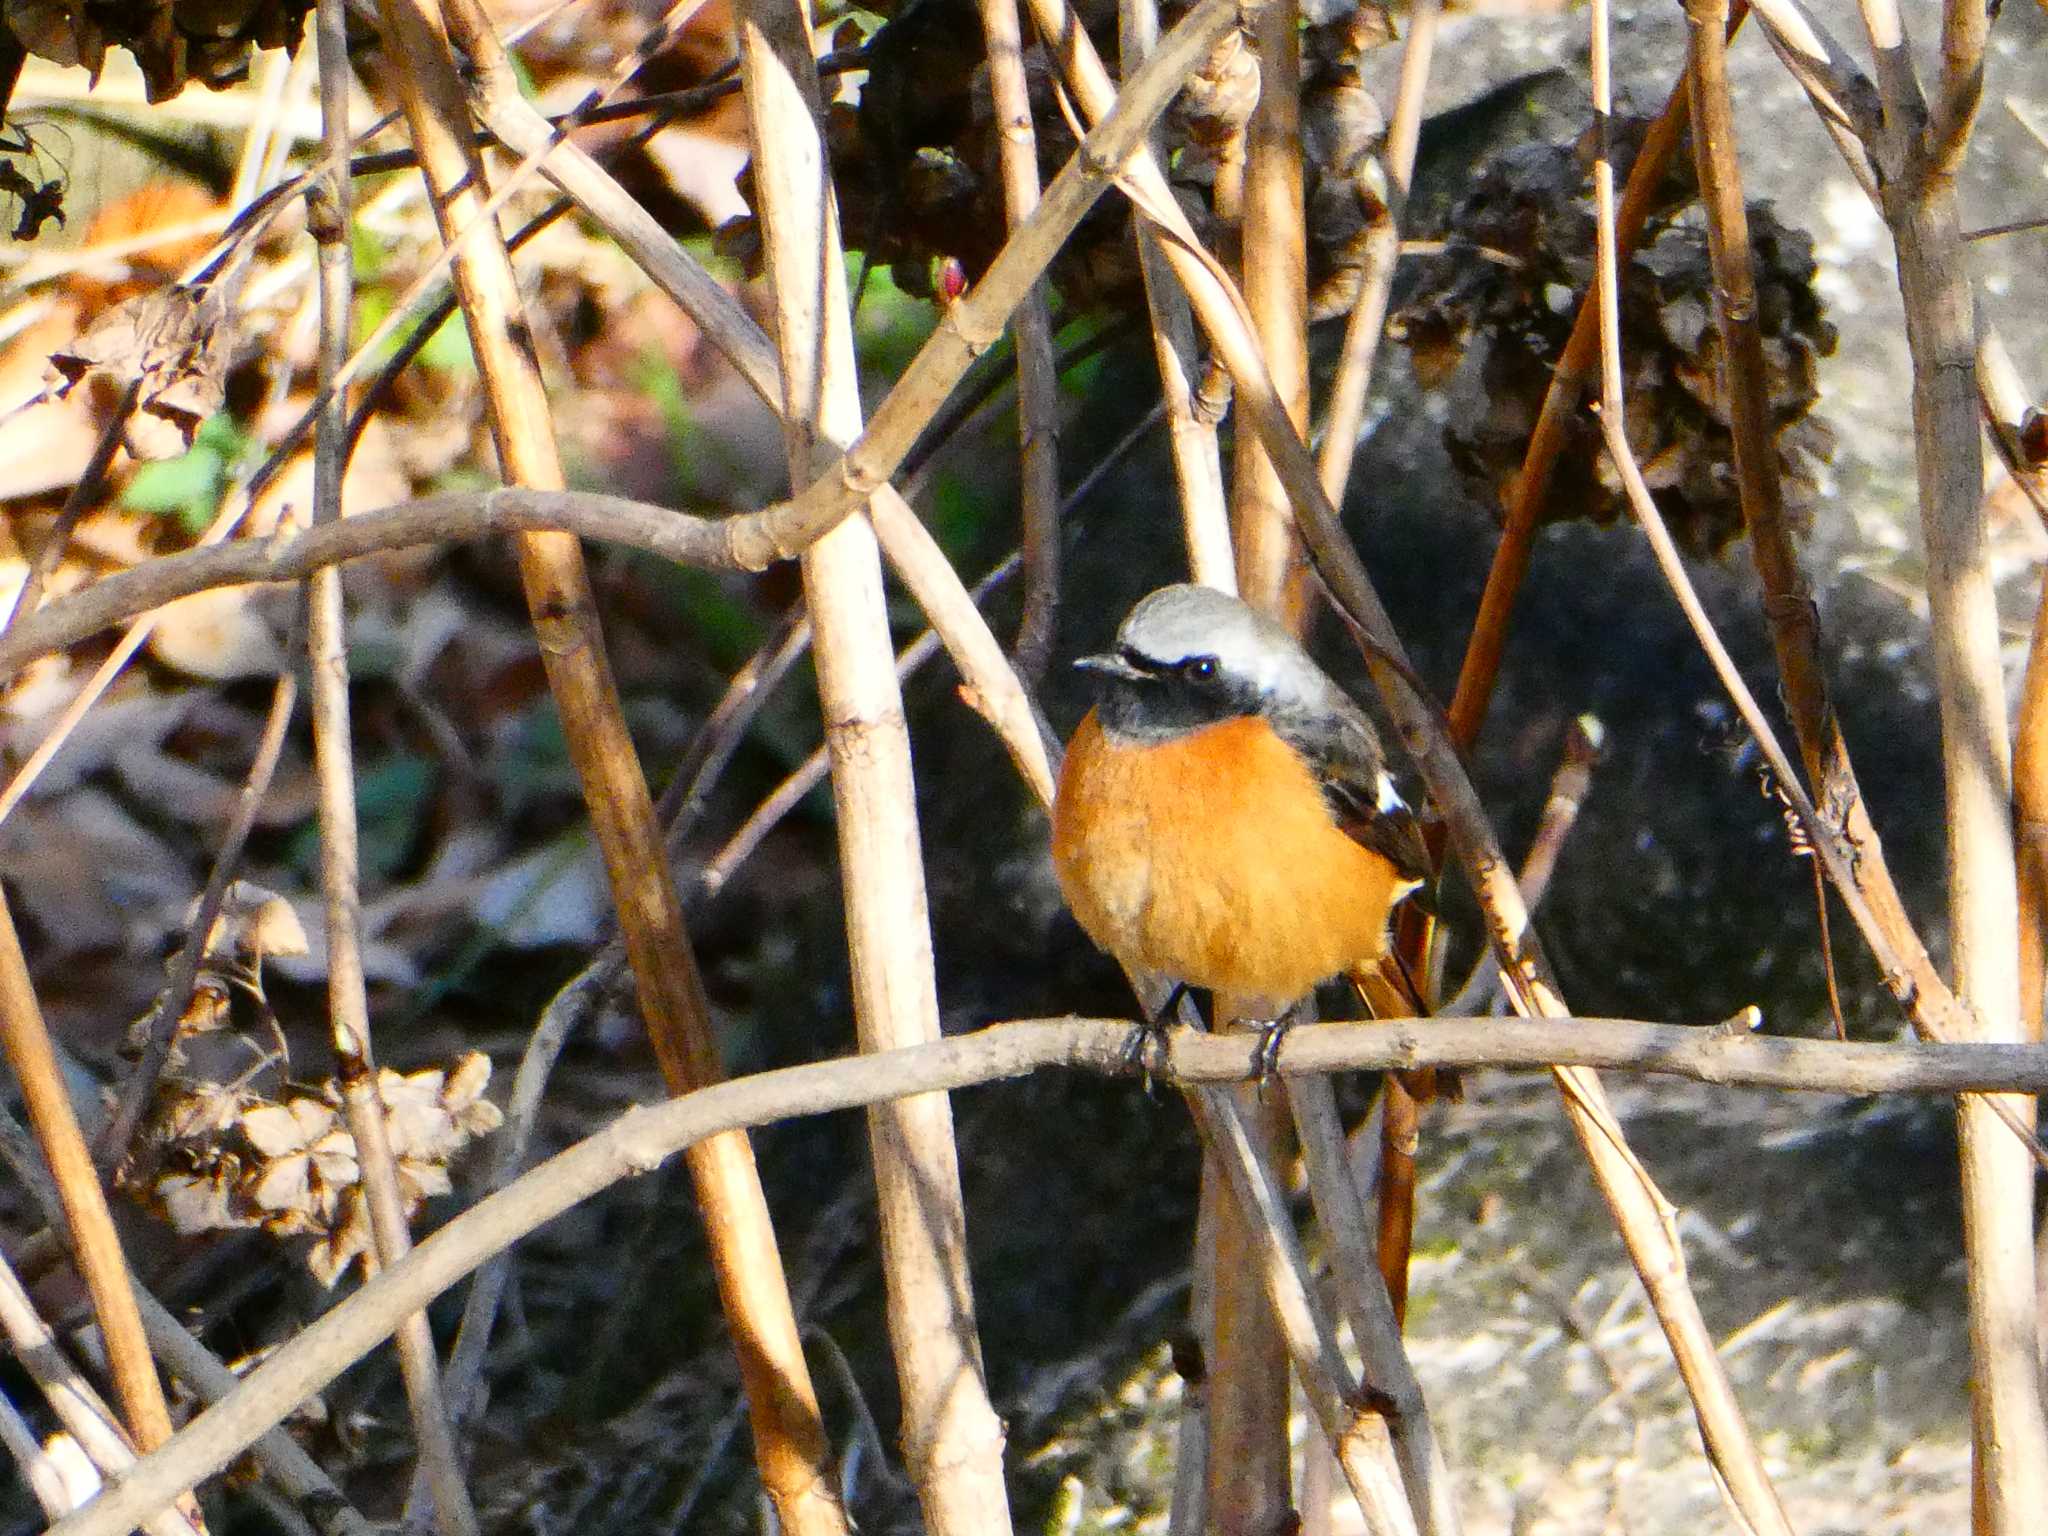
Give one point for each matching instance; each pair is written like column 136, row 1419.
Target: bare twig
column 1918, row 200
column 1189, row 1512
column 296, row 1473
column 76, row 502
column 183, row 971
column 952, row 1439
column 1037, row 384
column 1369, row 1308
column 790, row 1441
column 1965, row 29
column 330, row 206
column 1197, row 458
column 29, row 1052
column 1274, row 239
column 1565, row 394
column 565, row 1010
column 997, row 692
column 1251, row 1338
column 716, row 740
column 973, row 324
column 1584, row 743
column 37, row 1470
column 1346, row 409
column 1357, row 1434
column 71, row 1397
column 643, row 1138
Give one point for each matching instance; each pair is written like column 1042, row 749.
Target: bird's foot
column 1147, row 1045
column 1266, row 1053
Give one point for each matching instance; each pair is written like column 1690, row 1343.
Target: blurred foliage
column 189, row 488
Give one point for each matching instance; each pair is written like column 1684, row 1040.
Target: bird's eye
column 1202, row 668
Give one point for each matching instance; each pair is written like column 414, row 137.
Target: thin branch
column 1375, row 1328
column 330, row 210
column 1965, row 29
column 1840, row 90
column 640, row 1140
column 37, row 1470
column 972, row 324
column 1273, row 238
column 719, row 735
column 1562, row 399
column 1038, row 398
column 791, row 1447
column 183, row 971
column 76, row 502
column 570, row 1006
column 1585, row 741
column 1356, row 1433
column 952, row 1438
column 26, row 1042
column 1346, row 410
column 1197, row 457
column 998, row 694
column 1918, row 201
column 71, row 1397
column 288, row 1466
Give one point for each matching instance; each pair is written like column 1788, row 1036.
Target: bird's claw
column 1266, row 1053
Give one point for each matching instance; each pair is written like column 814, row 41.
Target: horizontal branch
column 298, row 553
column 642, row 1139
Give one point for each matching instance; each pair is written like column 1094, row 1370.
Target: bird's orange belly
column 1213, row 859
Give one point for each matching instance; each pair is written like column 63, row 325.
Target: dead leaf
column 219, row 635
column 178, row 343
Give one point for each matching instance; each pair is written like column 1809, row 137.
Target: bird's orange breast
column 1214, row 860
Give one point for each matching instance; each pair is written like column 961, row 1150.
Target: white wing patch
column 1390, row 799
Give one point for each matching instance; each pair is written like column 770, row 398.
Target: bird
column 1225, row 817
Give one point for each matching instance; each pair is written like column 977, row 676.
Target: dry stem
column 1038, row 396
column 97, row 1247
column 330, row 204
column 1275, row 283
column 1197, row 458
column 1917, row 197
column 952, row 1439
column 1565, row 394
column 183, row 971
column 1279, row 1272
column 790, row 1442
column 972, row 325
column 1346, row 410
column 1368, row 1306
column 1250, row 1488
column 70, row 1396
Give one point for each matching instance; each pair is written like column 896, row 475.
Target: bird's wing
column 1374, row 815
column 1343, row 750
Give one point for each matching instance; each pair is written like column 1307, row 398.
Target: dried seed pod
column 1497, row 307
column 226, row 1155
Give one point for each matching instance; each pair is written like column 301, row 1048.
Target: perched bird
column 1225, row 817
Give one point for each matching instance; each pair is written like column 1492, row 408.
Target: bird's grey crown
column 1178, row 623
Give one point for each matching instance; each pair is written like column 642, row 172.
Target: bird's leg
column 1266, row 1054
column 1151, row 1035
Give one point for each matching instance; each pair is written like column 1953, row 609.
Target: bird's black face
column 1143, row 696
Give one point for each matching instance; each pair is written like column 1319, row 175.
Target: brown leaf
column 178, row 342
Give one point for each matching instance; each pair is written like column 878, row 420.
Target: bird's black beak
column 1111, row 665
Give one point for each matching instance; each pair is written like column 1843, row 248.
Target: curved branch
column 642, row 1139
column 297, row 553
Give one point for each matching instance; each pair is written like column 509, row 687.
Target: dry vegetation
column 425, row 423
